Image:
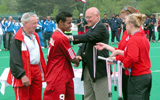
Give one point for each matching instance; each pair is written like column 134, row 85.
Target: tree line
column 52, row 7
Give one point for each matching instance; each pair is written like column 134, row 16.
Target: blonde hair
column 136, row 19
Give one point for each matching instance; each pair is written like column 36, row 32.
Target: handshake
column 77, row 60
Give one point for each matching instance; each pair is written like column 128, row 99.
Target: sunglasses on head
column 126, row 9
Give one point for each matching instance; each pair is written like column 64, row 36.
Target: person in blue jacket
column 39, row 32
column 3, row 29
column 146, row 26
column 49, row 27
column 19, row 23
column 152, row 28
column 9, row 32
column 114, row 25
column 15, row 29
column 1, row 34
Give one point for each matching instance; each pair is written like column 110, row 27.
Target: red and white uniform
column 35, row 73
column 59, row 71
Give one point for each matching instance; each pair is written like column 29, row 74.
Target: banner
column 84, row 1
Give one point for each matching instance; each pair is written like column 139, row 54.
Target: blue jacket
column 39, row 28
column 15, row 28
column 3, row 26
column 114, row 24
column 42, row 23
column 49, row 26
column 9, row 26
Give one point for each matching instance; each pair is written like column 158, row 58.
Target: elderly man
column 95, row 78
column 27, row 64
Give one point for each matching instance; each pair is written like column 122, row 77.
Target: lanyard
column 136, row 32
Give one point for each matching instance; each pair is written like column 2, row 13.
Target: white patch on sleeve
column 52, row 42
column 125, row 49
column 71, row 53
column 23, row 47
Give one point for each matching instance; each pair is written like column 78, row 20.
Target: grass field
column 155, row 67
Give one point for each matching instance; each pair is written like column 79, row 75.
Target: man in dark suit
column 95, row 81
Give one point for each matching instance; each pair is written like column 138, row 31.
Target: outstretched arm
column 101, row 46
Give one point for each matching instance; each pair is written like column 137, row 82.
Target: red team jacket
column 26, row 60
column 136, row 54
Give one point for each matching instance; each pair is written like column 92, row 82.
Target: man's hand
column 25, row 80
column 69, row 37
column 78, row 58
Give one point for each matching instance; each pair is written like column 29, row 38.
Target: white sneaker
column 153, row 41
column 112, row 42
column 42, row 47
column 158, row 40
column 0, row 50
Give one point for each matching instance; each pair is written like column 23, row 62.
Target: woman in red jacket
column 121, row 46
column 136, row 57
column 158, row 29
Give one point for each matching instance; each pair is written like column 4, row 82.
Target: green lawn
column 154, row 56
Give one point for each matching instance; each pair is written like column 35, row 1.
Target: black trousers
column 151, row 34
column 139, row 87
column 124, row 84
column 115, row 33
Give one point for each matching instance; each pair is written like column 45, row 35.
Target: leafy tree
column 3, row 9
column 10, row 4
column 55, row 12
column 41, row 7
column 149, row 6
column 75, row 13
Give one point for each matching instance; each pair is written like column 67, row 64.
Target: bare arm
column 101, row 46
column 117, row 52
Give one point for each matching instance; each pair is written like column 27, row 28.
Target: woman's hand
column 100, row 46
column 117, row 52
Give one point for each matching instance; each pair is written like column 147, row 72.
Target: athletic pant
column 8, row 39
column 41, row 39
column 59, row 92
column 152, row 33
column 115, row 32
column 79, row 32
column 34, row 91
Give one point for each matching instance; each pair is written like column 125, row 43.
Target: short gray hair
column 27, row 17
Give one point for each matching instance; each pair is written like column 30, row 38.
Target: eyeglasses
column 126, row 9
